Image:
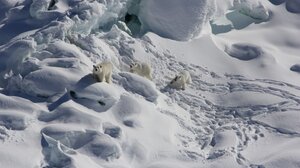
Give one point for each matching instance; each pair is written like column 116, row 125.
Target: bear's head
column 176, row 82
column 177, row 78
column 97, row 69
column 133, row 67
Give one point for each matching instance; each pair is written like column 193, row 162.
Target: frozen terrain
column 242, row 108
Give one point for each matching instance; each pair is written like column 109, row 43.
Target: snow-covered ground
column 241, row 110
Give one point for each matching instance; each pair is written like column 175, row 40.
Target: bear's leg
column 148, row 76
column 183, row 86
column 189, row 80
column 96, row 77
column 102, row 78
column 108, row 78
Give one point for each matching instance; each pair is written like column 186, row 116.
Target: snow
column 139, row 85
column 285, row 153
column 241, row 110
column 244, row 51
column 283, row 121
column 175, row 19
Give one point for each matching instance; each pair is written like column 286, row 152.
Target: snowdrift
column 176, row 19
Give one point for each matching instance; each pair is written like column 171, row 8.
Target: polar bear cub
column 142, row 69
column 102, row 72
column 181, row 80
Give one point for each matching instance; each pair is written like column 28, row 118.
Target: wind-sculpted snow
column 71, row 112
column 16, row 113
column 244, row 52
column 139, row 85
column 98, row 96
column 86, row 141
column 128, row 110
column 295, row 68
column 176, row 19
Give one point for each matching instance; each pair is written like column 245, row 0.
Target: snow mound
column 295, row 68
column 244, row 51
column 176, row 19
column 127, row 110
column 15, row 112
column 14, row 120
column 83, row 141
column 49, row 81
column 71, row 112
column 137, row 84
column 97, row 96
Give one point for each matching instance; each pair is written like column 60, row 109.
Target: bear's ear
column 175, row 79
column 94, row 66
column 179, row 77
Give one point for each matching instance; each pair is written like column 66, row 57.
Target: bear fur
column 102, row 72
column 181, row 80
column 142, row 69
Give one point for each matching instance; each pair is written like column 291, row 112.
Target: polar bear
column 102, row 72
column 142, row 69
column 181, row 80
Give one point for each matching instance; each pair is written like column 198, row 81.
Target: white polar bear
column 102, row 72
column 141, row 69
column 181, row 80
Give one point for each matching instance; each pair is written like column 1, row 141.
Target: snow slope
column 241, row 110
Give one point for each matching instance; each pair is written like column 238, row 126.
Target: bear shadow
column 84, row 82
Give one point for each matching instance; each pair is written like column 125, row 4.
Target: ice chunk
column 252, row 8
column 39, row 10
